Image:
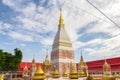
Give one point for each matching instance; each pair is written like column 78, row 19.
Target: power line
column 93, row 15
column 104, row 14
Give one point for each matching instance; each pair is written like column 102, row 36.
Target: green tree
column 17, row 57
column 9, row 62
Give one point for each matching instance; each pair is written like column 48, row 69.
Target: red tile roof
column 92, row 65
column 111, row 61
column 97, row 65
column 28, row 64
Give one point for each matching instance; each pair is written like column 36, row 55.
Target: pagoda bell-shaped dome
column 73, row 73
column 39, row 75
column 55, row 74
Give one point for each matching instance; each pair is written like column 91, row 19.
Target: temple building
column 25, row 74
column 106, row 69
column 62, row 53
column 33, row 68
column 62, row 57
column 47, row 66
column 82, row 67
column 62, row 62
column 96, row 66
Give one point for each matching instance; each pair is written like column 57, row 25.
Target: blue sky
column 31, row 25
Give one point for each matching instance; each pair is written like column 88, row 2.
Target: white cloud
column 34, row 21
column 16, row 5
column 28, row 23
column 110, row 47
column 5, row 25
column 47, row 41
column 29, row 11
column 20, row 36
column 23, row 45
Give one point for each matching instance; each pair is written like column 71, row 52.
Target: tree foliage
column 9, row 62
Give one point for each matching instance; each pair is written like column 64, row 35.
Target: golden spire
column 56, row 71
column 46, row 55
column 33, row 60
column 61, row 21
column 81, row 74
column 81, row 59
column 106, row 65
column 82, row 63
column 56, row 74
column 106, row 69
column 25, row 73
column 65, row 74
column 39, row 75
column 25, row 68
column 40, row 71
column 106, row 62
column 73, row 73
column 46, row 62
column 33, row 63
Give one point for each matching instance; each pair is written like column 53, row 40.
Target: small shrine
column 106, row 69
column 32, row 68
column 81, row 73
column 65, row 74
column 47, row 66
column 39, row 74
column 73, row 73
column 25, row 74
column 55, row 74
column 83, row 68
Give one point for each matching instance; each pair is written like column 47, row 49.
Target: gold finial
column 65, row 74
column 81, row 57
column 46, row 55
column 106, row 65
column 106, row 62
column 81, row 74
column 106, row 68
column 61, row 21
column 25, row 73
column 25, row 68
column 73, row 73
column 82, row 63
column 55, row 74
column 39, row 75
column 33, row 61
column 40, row 71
